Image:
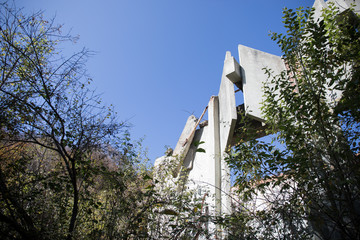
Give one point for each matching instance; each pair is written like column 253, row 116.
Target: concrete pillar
column 214, row 116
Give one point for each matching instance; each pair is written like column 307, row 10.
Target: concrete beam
column 254, row 129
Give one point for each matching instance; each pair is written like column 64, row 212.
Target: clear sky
column 158, row 61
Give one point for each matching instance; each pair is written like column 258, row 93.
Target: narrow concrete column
column 214, row 121
column 225, row 186
column 227, row 122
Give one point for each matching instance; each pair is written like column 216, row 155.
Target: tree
column 67, row 166
column 310, row 185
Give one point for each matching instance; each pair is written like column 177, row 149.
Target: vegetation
column 68, row 168
column 310, row 185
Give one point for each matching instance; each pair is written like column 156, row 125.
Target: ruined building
column 206, row 172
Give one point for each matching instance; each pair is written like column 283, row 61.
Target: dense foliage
column 310, row 185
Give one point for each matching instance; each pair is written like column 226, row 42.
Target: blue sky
column 158, row 61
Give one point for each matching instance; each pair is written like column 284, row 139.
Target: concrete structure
column 207, row 172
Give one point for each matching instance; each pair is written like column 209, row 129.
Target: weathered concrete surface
column 227, row 104
column 202, row 175
column 227, row 121
column 252, row 62
column 190, row 156
column 185, row 137
column 184, row 142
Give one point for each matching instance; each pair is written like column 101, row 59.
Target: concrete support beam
column 214, row 121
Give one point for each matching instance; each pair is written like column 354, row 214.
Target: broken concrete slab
column 184, row 143
column 181, row 148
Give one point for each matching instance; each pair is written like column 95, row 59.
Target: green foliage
column 311, row 185
column 68, row 168
column 197, row 144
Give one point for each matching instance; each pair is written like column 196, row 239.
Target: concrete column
column 217, row 154
column 227, row 122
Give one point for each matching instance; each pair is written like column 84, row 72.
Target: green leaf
column 197, row 143
column 200, row 150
